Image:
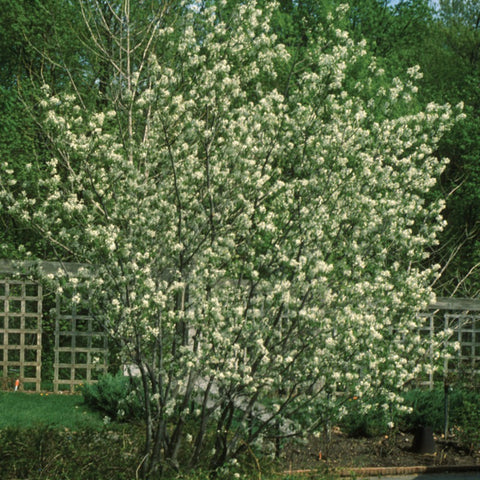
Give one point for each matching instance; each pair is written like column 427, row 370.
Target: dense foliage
column 49, row 42
column 115, row 397
column 454, row 411
column 44, row 452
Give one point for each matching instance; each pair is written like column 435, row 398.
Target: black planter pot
column 423, row 441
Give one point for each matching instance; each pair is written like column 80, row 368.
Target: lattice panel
column 432, row 325
column 20, row 333
column 467, row 333
column 81, row 348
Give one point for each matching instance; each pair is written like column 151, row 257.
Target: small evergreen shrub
column 425, row 408
column 116, row 396
column 428, row 409
column 469, row 425
column 358, row 423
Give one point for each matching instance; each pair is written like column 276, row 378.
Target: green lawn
column 26, row 410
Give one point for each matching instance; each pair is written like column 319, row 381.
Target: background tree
column 455, row 72
column 37, row 47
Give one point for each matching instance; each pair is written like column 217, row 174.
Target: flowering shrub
column 253, row 243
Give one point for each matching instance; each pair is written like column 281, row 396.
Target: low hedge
column 44, row 452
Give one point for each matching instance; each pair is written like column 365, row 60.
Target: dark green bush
column 469, row 425
column 115, row 396
column 367, row 425
column 360, row 424
column 428, row 408
column 44, row 452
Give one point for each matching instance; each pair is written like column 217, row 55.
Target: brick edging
column 380, row 471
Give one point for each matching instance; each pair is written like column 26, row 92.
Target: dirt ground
column 385, row 451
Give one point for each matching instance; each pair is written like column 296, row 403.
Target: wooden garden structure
column 21, row 331
column 81, row 349
column 461, row 317
column 80, row 344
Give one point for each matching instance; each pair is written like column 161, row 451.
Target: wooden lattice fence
column 20, row 332
column 81, row 348
column 461, row 317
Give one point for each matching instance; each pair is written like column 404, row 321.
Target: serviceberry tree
column 253, row 236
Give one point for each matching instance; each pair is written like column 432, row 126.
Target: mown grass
column 26, row 410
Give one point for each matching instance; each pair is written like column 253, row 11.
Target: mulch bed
column 381, row 455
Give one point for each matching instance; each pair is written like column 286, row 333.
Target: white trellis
column 80, row 345
column 81, row 348
column 20, row 333
column 461, row 317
